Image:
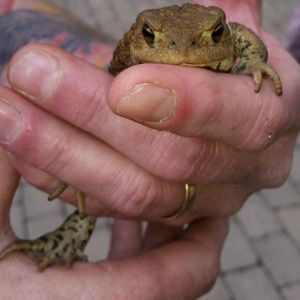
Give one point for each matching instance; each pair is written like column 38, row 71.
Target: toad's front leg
column 64, row 245
column 252, row 57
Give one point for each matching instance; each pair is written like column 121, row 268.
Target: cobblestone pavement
column 261, row 259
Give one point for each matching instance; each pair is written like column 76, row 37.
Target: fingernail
column 147, row 102
column 36, row 74
column 11, row 122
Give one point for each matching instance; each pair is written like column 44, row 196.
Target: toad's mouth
column 184, row 63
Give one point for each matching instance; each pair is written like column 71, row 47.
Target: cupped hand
column 167, row 263
column 176, row 125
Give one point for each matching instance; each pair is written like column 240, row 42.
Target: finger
column 212, row 200
column 126, row 238
column 194, row 256
column 59, row 149
column 47, row 183
column 163, row 154
column 203, row 104
column 215, row 200
column 8, row 185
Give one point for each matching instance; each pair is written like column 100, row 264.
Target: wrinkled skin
column 219, row 145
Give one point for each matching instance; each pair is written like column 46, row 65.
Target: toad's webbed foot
column 258, row 71
column 80, row 198
column 252, row 57
column 64, row 245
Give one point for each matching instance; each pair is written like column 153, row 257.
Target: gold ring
column 190, row 193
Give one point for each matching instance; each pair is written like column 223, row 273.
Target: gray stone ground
column 261, row 259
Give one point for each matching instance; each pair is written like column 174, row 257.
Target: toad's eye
column 148, row 34
column 217, row 33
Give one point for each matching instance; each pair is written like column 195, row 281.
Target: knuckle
column 175, row 157
column 135, row 196
column 88, row 116
column 185, row 167
column 47, row 155
column 198, row 162
column 34, row 178
column 186, row 160
column 32, row 175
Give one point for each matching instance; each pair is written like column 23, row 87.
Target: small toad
column 195, row 36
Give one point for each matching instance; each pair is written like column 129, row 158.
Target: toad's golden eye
column 148, row 34
column 217, row 33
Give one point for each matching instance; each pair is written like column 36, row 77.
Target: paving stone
column 237, row 251
column 291, row 292
column 257, row 218
column 281, row 257
column 282, row 196
column 251, row 284
column 290, row 217
column 219, row 292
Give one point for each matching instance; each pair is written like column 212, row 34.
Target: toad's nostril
column 193, row 43
column 173, row 45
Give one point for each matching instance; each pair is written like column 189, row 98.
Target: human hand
column 232, row 152
column 151, row 267
column 227, row 158
column 247, row 138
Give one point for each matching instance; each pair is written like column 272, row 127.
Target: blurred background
column 261, row 259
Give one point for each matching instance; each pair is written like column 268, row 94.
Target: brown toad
column 196, row 36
